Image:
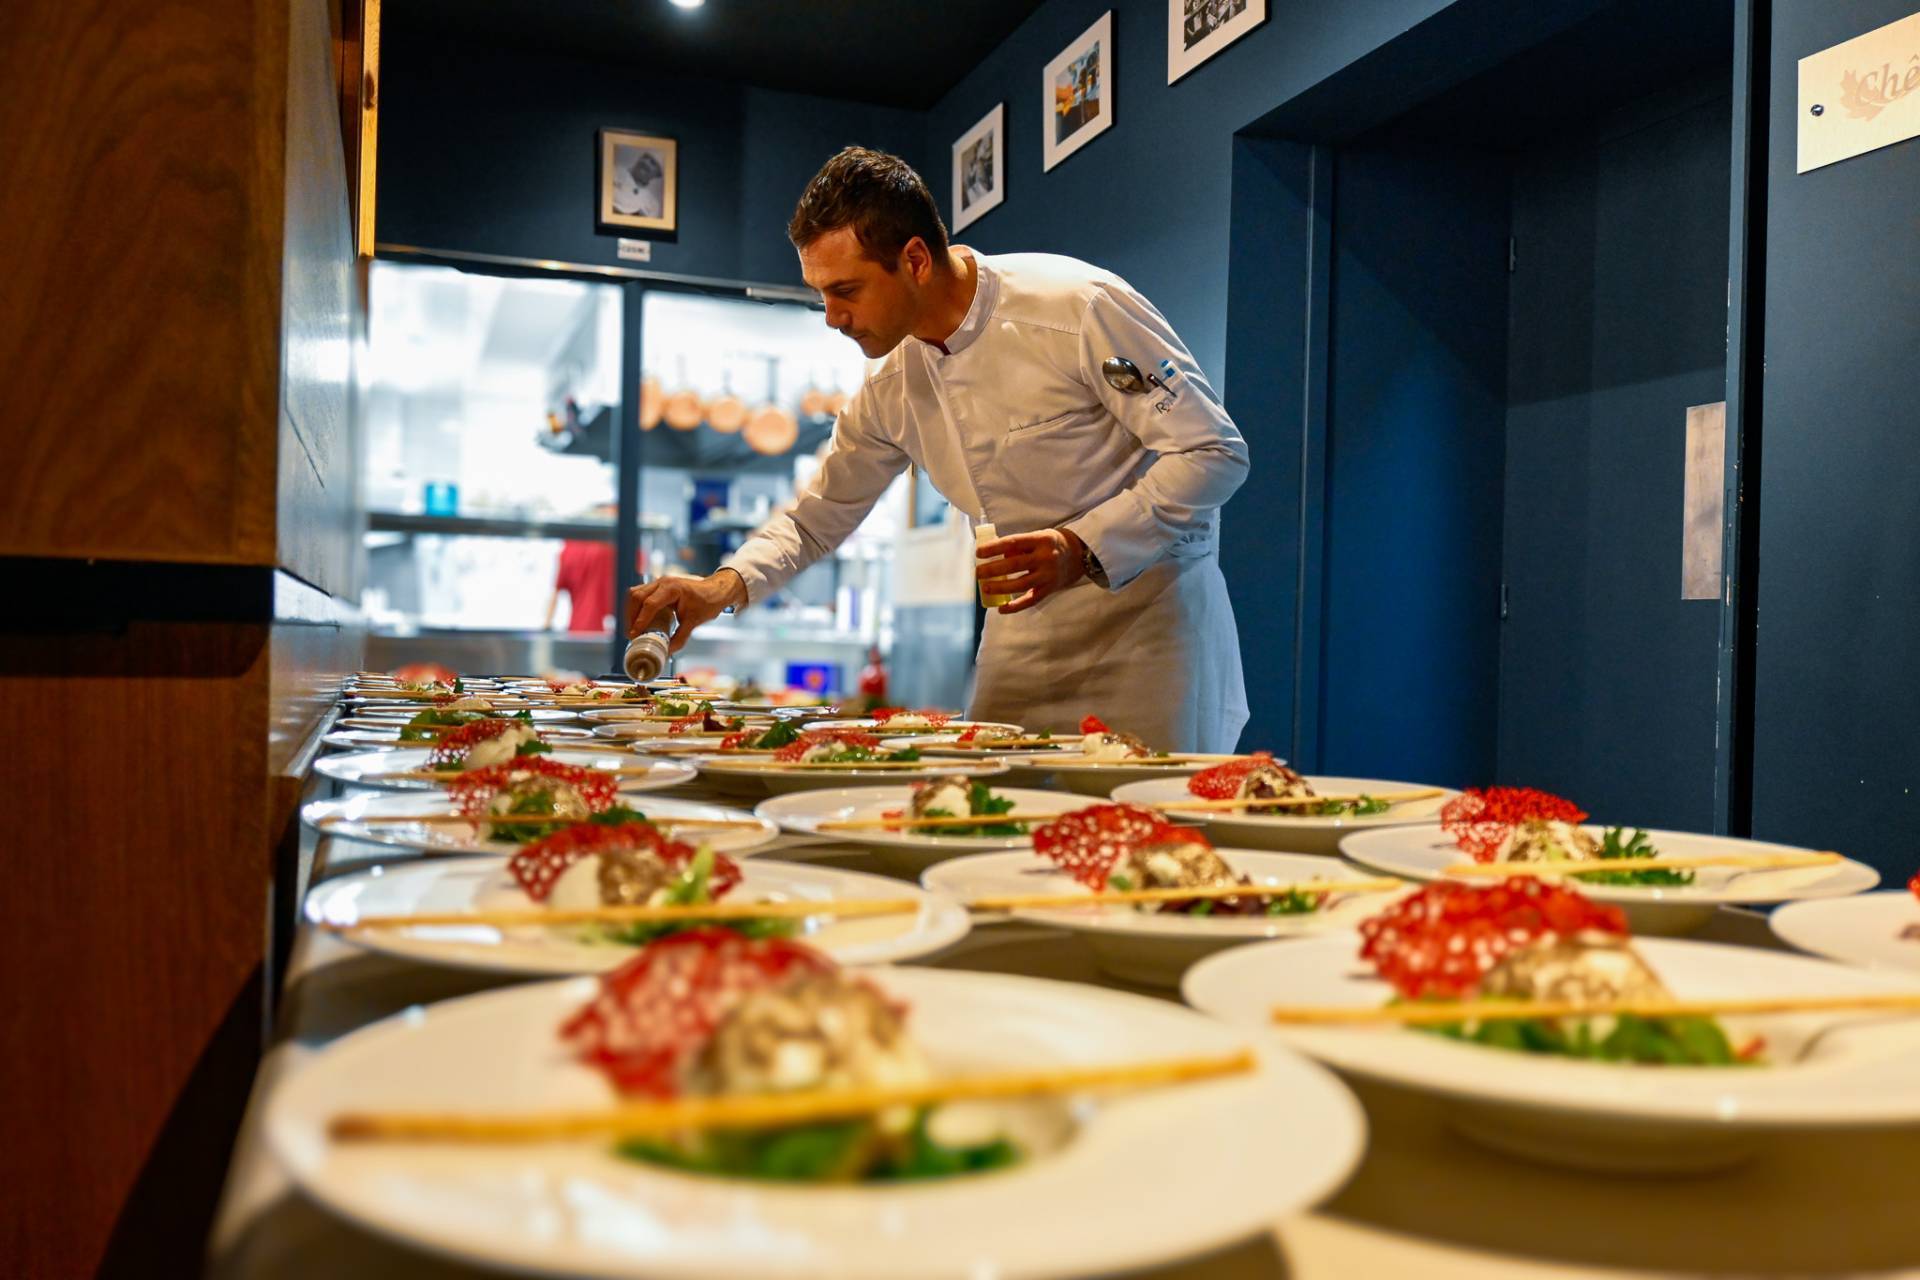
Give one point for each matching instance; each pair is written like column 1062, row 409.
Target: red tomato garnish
column 1442, row 940
column 1481, row 818
column 540, row 864
column 1088, row 842
column 474, row 790
column 1222, row 781
column 1094, row 724
column 815, row 737
column 655, row 1012
column 454, row 745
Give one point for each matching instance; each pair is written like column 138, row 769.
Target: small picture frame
column 1198, row 29
column 1077, row 89
column 639, row 180
column 979, row 174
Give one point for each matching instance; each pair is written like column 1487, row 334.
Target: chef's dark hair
column 879, row 196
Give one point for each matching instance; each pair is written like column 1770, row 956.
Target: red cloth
column 586, row 575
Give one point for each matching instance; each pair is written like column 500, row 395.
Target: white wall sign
column 1860, row 95
column 634, row 250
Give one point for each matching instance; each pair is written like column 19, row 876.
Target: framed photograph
column 1198, row 29
column 979, row 181
column 639, row 176
column 1078, row 88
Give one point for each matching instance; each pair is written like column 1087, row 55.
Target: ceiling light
column 688, row 4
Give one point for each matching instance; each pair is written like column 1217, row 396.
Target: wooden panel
column 139, row 897
column 139, row 347
column 323, row 318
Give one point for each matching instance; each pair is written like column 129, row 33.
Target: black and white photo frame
column 1198, row 29
column 639, row 184
column 979, row 168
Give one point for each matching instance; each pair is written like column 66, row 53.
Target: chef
column 1043, row 396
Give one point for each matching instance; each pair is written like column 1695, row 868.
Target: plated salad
column 1124, row 847
column 1521, row 824
column 959, row 798
column 485, row 742
column 839, row 746
column 708, row 1012
column 431, row 725
column 619, row 859
column 1525, row 939
column 532, row 786
column 1261, row 777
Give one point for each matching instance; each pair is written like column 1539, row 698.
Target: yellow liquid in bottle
column 985, row 533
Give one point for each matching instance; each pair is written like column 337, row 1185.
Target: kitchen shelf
column 502, row 526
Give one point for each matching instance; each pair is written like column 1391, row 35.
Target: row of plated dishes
column 1297, row 938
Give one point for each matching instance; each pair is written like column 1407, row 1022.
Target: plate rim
column 1700, row 1112
column 1636, row 895
column 947, row 923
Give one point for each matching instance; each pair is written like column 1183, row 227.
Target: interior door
column 1617, row 325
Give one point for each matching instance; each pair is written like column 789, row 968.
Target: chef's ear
column 917, row 259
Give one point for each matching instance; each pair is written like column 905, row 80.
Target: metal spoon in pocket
column 1124, row 376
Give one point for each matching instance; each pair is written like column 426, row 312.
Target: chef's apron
column 1158, row 658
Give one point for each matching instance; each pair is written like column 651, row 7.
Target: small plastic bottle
column 647, row 655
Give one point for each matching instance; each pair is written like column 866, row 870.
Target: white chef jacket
column 1014, row 423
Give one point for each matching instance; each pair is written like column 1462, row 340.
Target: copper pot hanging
column 836, row 400
column 813, row 401
column 727, row 412
column 682, row 409
column 772, row 430
column 653, row 398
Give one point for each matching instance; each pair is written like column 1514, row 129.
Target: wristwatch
column 1091, row 563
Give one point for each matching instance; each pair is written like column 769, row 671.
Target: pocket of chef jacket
column 1044, row 424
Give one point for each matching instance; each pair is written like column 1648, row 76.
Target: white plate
column 484, row 884
column 641, row 732
column 390, row 737
column 777, row 779
column 797, row 711
column 362, row 768
column 1162, row 1174
column 1099, row 778
column 623, row 715
column 1293, row 833
column 903, row 852
column 1149, row 947
column 388, row 702
column 1864, row 1071
column 1423, row 852
column 1863, row 930
column 950, row 729
column 342, row 820
column 387, row 717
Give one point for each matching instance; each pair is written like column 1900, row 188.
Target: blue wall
column 492, row 151
column 1837, row 704
column 1149, row 198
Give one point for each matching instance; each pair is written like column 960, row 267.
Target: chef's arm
column 1201, row 456
column 852, row 477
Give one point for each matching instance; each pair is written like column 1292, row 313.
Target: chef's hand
column 1030, row 566
column 694, row 601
